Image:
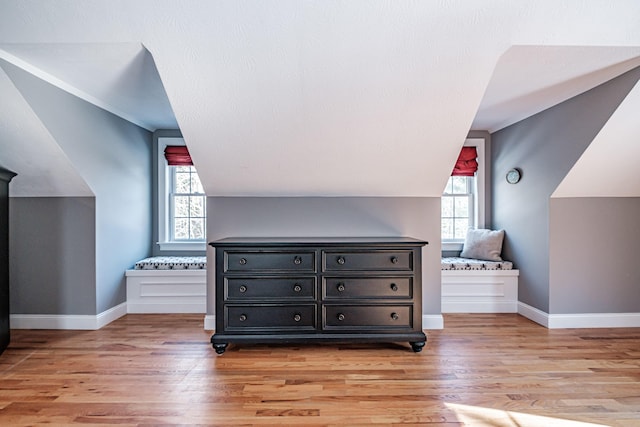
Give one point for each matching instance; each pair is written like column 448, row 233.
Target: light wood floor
column 481, row 370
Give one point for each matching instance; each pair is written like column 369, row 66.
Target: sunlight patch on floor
column 485, row 417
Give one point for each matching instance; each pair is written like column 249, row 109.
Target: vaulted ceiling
column 344, row 98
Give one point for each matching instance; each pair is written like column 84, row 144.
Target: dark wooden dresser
column 301, row 290
column 5, row 178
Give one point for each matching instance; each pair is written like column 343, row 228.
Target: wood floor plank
column 481, row 370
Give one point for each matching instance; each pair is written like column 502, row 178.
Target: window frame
column 479, row 199
column 164, row 216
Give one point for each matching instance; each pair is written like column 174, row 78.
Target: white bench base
column 480, row 291
column 166, row 291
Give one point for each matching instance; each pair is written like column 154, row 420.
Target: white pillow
column 483, row 244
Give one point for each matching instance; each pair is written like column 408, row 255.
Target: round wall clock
column 513, row 176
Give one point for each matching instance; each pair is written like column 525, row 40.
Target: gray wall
column 114, row 157
column 545, row 146
column 52, row 255
column 594, row 247
column 417, row 217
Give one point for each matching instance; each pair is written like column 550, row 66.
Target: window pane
column 197, row 206
column 447, row 207
column 183, row 168
column 197, row 229
column 461, row 207
column 196, row 185
column 447, row 228
column 181, row 229
column 181, row 206
column 182, row 183
column 459, row 184
column 461, row 227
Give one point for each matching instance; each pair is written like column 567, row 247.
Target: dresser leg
column 417, row 346
column 220, row 348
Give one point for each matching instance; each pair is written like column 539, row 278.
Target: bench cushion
column 172, row 263
column 456, row 263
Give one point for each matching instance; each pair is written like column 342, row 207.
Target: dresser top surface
column 316, row 241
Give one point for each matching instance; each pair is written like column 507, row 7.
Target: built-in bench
column 167, row 285
column 178, row 285
column 478, row 286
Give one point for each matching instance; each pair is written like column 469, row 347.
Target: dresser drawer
column 264, row 288
column 368, row 316
column 269, row 317
column 368, row 261
column 269, row 261
column 367, row 287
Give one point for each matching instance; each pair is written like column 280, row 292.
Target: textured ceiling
column 346, row 98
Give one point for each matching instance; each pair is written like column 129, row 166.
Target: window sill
column 452, row 246
column 182, row 246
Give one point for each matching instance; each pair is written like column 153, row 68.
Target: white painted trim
column 432, row 321
column 594, row 320
column 579, row 320
column 489, row 306
column 164, row 308
column 67, row 321
column 532, row 313
column 210, row 322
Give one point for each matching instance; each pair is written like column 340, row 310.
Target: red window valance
column 466, row 165
column 177, row 155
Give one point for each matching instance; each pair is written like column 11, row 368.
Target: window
column 457, row 207
column 187, row 212
column 463, row 202
column 181, row 204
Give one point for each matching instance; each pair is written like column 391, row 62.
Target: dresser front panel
column 270, row 288
column 368, row 260
column 303, row 290
column 264, row 261
column 252, row 318
column 368, row 316
column 346, row 287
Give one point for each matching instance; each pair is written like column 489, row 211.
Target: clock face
column 513, row 176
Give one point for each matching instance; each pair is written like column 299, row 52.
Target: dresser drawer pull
column 341, row 260
column 243, row 288
column 297, row 317
column 395, row 316
column 340, row 287
column 297, row 288
column 394, row 287
column 394, row 260
column 243, row 317
column 297, row 260
column 340, row 317
column 242, row 261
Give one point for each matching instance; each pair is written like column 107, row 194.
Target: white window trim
column 163, row 203
column 479, row 199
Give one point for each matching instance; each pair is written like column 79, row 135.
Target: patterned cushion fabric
column 172, row 263
column 454, row 263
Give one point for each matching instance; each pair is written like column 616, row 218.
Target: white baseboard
column 209, row 322
column 67, row 321
column 432, row 321
column 579, row 320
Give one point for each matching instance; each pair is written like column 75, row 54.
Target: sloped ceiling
column 341, row 98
